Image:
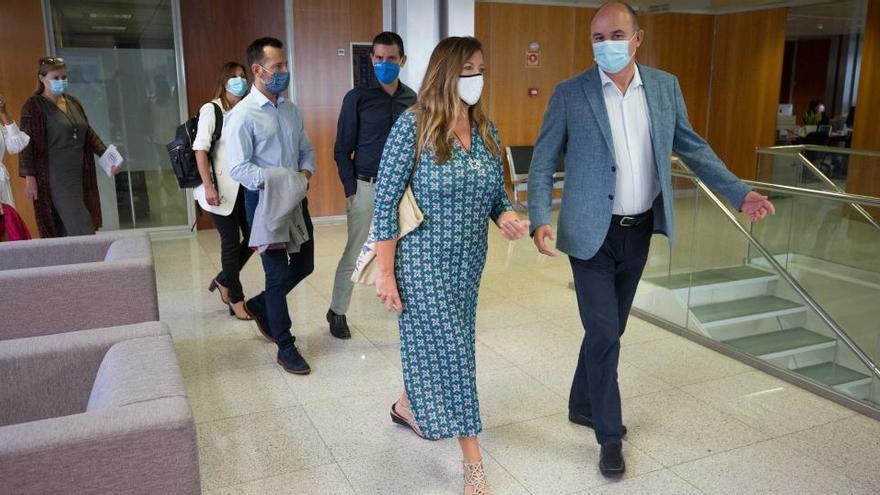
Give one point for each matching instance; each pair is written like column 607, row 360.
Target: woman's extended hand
column 386, row 291
column 511, row 226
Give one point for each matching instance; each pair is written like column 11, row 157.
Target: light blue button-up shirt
column 259, row 134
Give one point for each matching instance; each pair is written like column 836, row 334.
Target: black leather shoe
column 262, row 325
column 292, row 361
column 338, row 325
column 611, row 460
column 587, row 421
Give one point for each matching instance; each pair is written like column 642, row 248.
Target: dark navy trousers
column 606, row 285
column 283, row 273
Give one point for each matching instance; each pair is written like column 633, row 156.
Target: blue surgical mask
column 279, row 82
column 237, row 86
column 58, row 86
column 386, row 72
column 612, row 56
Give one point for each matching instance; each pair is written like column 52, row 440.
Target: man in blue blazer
column 617, row 125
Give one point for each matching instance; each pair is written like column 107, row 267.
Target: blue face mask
column 386, row 72
column 612, row 56
column 58, row 86
column 237, row 86
column 279, row 82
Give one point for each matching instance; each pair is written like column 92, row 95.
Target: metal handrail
column 830, row 183
column 839, row 197
column 797, row 148
column 792, row 282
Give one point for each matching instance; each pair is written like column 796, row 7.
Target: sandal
column 475, row 477
column 399, row 419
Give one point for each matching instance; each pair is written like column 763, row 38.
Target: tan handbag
column 409, row 218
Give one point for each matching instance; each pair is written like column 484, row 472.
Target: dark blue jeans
column 283, row 273
column 606, row 285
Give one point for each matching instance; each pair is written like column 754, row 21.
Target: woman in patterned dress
column 449, row 152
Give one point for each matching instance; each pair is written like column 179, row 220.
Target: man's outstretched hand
column 757, row 206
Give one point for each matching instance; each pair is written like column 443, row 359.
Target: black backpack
column 183, row 158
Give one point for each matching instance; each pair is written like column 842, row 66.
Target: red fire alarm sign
column 533, row 92
column 533, row 58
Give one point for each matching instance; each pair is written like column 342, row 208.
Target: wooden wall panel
column 864, row 174
column 322, row 77
column 682, row 44
column 513, row 27
column 744, row 94
column 21, row 46
column 583, row 41
column 216, row 32
column 810, row 75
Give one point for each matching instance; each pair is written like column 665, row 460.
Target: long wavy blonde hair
column 439, row 104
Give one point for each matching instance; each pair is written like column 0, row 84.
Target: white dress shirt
column 258, row 134
column 15, row 140
column 637, row 181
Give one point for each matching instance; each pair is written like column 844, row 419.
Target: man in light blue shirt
column 265, row 130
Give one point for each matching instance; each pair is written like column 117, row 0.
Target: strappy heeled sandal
column 401, row 420
column 475, row 477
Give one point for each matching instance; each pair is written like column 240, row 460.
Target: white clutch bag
column 409, row 218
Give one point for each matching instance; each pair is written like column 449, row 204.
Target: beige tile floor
column 699, row 422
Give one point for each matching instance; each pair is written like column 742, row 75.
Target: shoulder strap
column 218, row 123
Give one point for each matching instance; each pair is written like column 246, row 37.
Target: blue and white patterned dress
column 438, row 270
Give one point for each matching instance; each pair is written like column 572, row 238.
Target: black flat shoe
column 261, row 324
column 338, row 325
column 580, row 419
column 292, row 361
column 611, row 462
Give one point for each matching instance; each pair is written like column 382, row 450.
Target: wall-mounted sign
column 533, row 59
column 362, row 75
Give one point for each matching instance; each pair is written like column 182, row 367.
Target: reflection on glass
column 121, row 60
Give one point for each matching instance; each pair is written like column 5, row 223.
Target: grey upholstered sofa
column 76, row 283
column 96, row 411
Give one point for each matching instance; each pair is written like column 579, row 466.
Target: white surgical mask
column 612, row 56
column 470, row 88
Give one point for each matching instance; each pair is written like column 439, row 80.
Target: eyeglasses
column 52, row 61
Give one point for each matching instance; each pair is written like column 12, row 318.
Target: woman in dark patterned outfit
column 59, row 163
column 449, row 151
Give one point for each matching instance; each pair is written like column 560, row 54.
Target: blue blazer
column 576, row 126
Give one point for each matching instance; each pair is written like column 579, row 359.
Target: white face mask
column 470, row 88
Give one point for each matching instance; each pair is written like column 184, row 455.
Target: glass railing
column 797, row 291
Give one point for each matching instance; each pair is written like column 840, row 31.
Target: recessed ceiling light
column 105, row 15
column 109, row 28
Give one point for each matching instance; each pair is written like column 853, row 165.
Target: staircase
column 743, row 307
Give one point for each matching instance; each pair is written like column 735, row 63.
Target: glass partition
column 800, row 294
column 122, row 66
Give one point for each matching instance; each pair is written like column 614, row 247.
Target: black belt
column 366, row 178
column 631, row 220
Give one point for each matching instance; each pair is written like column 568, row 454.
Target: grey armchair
column 76, row 283
column 96, row 411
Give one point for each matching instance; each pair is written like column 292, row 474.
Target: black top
column 364, row 124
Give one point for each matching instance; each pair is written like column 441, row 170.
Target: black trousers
column 606, row 285
column 283, row 272
column 234, row 231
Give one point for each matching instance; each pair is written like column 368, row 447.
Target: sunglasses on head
column 52, row 61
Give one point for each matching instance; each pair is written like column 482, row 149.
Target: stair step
column 834, row 375
column 782, row 343
column 748, row 309
column 710, row 277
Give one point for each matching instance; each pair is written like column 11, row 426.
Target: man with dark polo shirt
column 364, row 123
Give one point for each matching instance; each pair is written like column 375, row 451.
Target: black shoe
column 292, row 361
column 587, row 421
column 611, row 460
column 262, row 325
column 338, row 325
